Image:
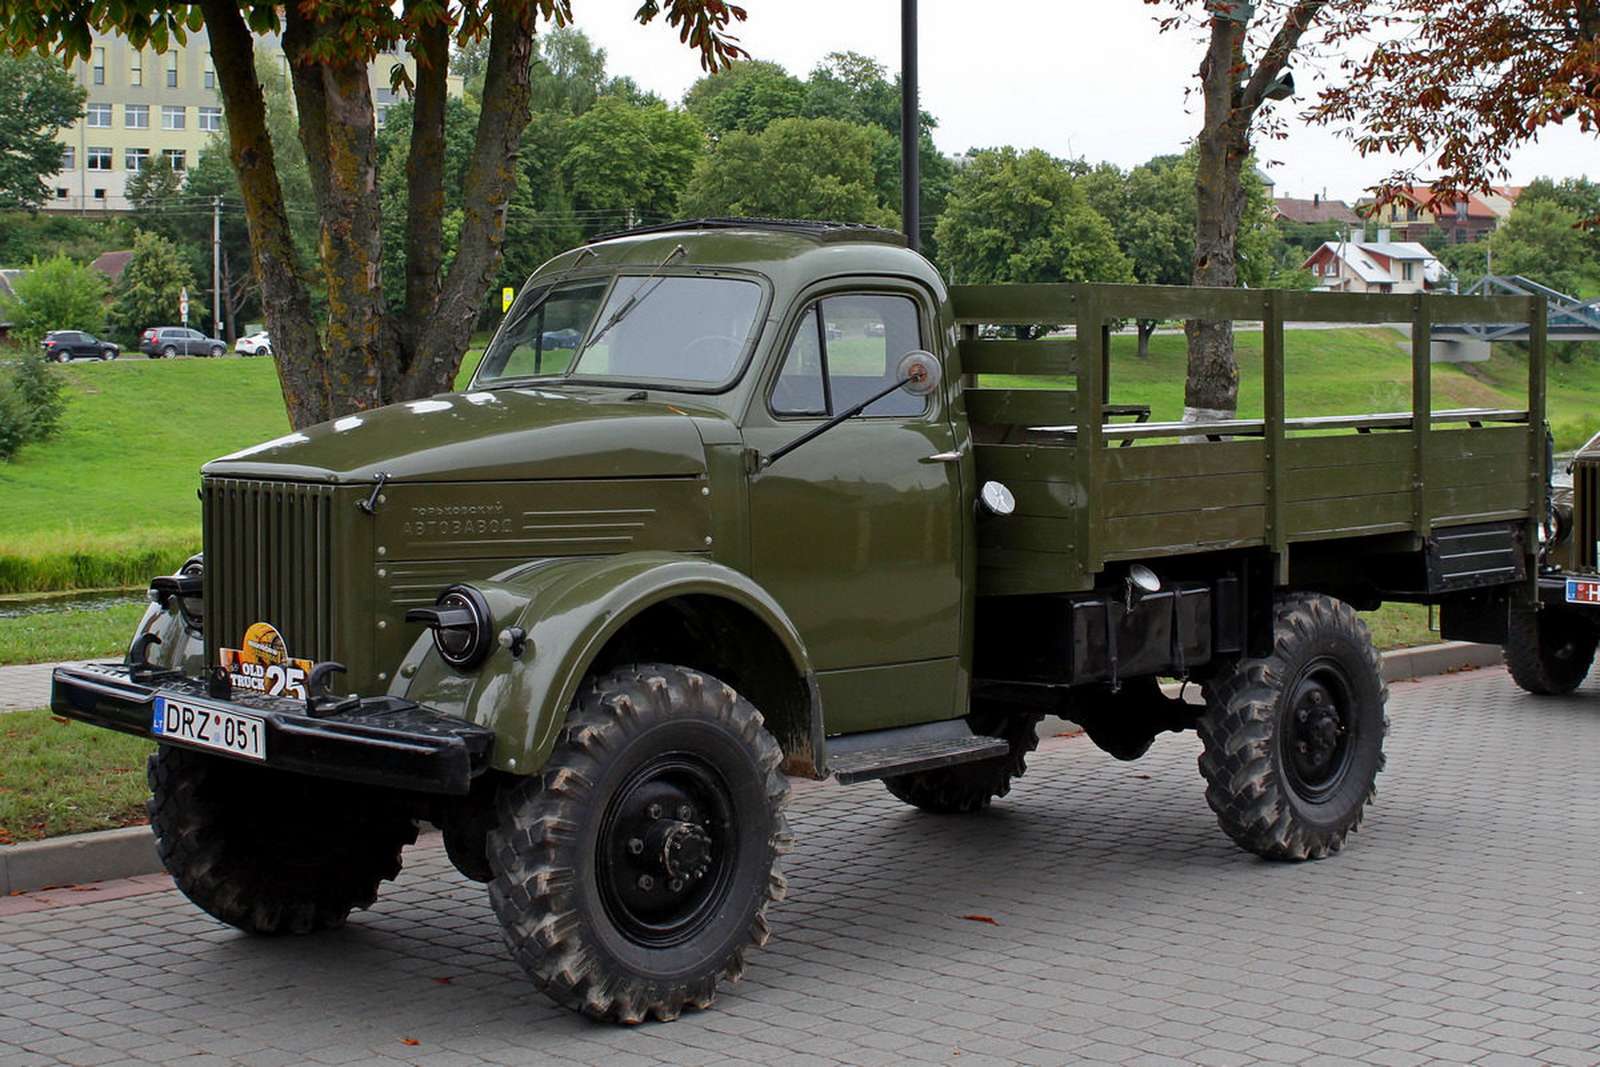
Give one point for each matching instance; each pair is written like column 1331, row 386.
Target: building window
column 1411, row 213
column 172, row 70
column 175, row 157
column 210, row 75
column 97, row 116
column 99, row 194
column 1461, row 210
column 1405, row 271
column 61, row 194
column 136, row 69
column 383, row 115
column 69, row 158
column 99, row 66
column 210, row 119
column 134, row 159
column 98, row 158
column 172, row 116
column 136, row 116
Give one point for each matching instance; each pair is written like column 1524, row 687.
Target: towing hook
column 318, row 700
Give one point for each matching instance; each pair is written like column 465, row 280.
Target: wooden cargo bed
column 1085, row 501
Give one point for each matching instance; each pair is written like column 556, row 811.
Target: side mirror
column 919, row 372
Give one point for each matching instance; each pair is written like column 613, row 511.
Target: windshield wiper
column 635, row 298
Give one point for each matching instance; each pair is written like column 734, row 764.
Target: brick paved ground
column 25, row 685
column 1462, row 925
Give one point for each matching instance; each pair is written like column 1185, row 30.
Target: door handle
column 944, row 457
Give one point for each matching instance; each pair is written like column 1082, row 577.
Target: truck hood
column 504, row 434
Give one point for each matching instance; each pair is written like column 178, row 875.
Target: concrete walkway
column 25, row 685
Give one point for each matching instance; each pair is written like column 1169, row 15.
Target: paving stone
column 1457, row 926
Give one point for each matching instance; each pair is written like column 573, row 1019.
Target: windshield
column 689, row 330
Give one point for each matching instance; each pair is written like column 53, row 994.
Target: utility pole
column 910, row 128
column 216, row 266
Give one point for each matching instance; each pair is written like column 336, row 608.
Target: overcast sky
column 1074, row 77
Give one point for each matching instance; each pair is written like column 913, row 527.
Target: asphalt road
column 1095, row 915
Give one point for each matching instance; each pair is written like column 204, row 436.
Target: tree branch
column 491, row 177
column 285, row 299
column 425, row 178
column 1276, row 57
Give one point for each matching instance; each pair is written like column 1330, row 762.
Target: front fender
column 569, row 609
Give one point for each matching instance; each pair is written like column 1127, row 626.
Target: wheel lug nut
column 635, row 846
column 654, row 811
column 685, row 812
column 676, row 885
column 646, row 882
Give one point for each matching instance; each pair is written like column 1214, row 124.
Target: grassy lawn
column 1399, row 626
column 69, row 632
column 60, row 777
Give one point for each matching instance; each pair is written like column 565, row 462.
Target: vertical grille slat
column 267, row 550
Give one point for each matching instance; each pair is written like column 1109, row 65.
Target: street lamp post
column 910, row 127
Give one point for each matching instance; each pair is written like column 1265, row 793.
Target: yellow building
column 143, row 105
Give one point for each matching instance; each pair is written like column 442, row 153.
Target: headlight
column 462, row 625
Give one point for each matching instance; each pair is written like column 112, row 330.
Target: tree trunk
column 1147, row 327
column 285, row 301
column 1212, row 388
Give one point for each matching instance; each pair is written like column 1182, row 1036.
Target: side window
column 846, row 349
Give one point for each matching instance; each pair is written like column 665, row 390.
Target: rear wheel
column 634, row 872
column 967, row 788
column 1294, row 741
column 268, row 851
column 1549, row 652
column 168, row 352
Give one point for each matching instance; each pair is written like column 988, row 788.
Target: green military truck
column 733, row 500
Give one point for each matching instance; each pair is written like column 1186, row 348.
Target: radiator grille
column 1585, row 510
column 269, row 558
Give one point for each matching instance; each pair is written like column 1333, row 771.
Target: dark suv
column 161, row 341
column 62, row 345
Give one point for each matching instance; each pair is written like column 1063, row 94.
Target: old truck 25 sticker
column 263, row 665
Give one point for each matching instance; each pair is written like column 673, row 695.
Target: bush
column 148, row 291
column 55, row 294
column 30, row 403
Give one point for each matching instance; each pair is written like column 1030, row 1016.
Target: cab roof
column 818, row 230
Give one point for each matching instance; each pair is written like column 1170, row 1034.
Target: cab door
column 858, row 533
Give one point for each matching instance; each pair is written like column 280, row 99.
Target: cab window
column 845, row 349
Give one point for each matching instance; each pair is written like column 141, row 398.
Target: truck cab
column 731, row 500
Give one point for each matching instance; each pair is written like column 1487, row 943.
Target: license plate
column 1583, row 591
column 194, row 723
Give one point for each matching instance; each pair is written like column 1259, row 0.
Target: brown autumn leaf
column 443, row 981
column 409, row 1041
column 982, row 919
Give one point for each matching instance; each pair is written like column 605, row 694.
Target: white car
column 257, row 344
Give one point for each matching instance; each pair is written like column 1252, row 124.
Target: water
column 98, row 600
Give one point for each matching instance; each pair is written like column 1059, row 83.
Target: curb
column 78, row 858
column 108, row 854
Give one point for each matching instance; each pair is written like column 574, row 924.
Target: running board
column 908, row 749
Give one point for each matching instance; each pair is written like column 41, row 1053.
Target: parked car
column 161, row 341
column 62, row 345
column 257, row 344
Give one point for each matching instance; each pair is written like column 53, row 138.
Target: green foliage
column 623, row 157
column 30, row 403
column 70, row 631
column 394, row 146
column 1022, row 217
column 569, row 72
column 795, row 168
column 65, row 777
column 148, row 292
column 56, row 294
column 37, row 98
column 1541, row 241
column 25, row 236
column 745, row 98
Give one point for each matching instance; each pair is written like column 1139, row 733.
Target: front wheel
column 634, row 871
column 268, row 851
column 1294, row 741
column 1549, row 652
column 216, row 351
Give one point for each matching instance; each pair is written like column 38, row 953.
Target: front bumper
column 382, row 741
column 1553, row 591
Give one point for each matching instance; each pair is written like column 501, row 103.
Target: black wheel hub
column 665, row 850
column 1318, row 740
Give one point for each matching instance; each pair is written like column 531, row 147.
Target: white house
column 1382, row 266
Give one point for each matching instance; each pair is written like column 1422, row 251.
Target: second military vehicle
column 730, row 500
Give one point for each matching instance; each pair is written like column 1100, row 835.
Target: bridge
column 1569, row 319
